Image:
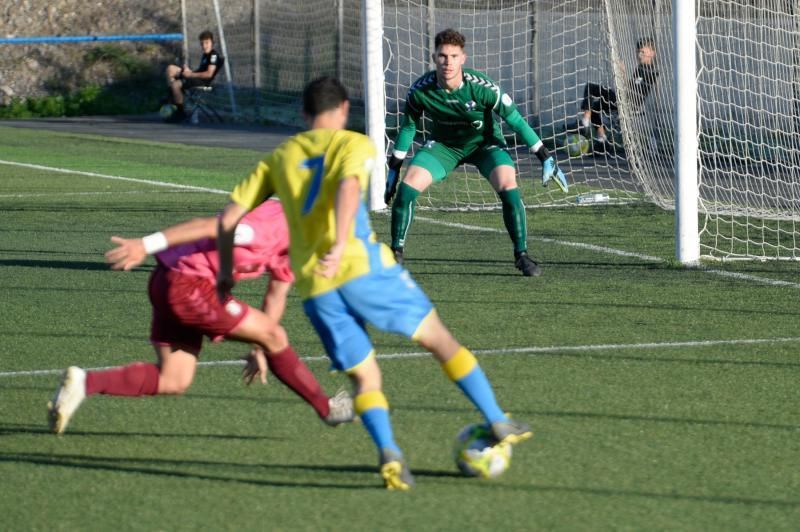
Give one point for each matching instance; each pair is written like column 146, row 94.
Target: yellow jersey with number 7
column 305, row 172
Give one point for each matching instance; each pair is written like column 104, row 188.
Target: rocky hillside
column 42, row 69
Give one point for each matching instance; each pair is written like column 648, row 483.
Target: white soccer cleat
column 341, row 409
column 69, row 396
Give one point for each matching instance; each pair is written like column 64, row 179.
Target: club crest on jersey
column 233, row 308
column 470, row 105
column 243, row 235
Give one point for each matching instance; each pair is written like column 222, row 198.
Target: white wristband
column 154, row 243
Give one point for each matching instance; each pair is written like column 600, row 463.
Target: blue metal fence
column 93, row 38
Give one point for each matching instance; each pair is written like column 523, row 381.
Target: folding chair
column 199, row 98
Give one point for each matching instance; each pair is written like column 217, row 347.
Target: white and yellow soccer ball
column 478, row 454
column 576, row 145
column 167, row 110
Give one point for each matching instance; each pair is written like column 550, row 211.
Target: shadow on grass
column 672, row 496
column 60, row 264
column 46, row 334
column 449, row 261
column 585, row 354
column 499, row 301
column 8, row 429
column 528, row 415
column 418, row 266
column 162, row 467
column 81, row 290
column 5, row 386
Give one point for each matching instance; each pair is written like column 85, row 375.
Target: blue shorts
column 388, row 299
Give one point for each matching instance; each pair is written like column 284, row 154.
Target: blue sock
column 377, row 423
column 476, row 387
column 463, row 369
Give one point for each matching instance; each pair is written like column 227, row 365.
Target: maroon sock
column 291, row 371
column 133, row 380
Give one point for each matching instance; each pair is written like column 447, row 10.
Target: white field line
column 618, row 252
column 581, row 245
column 110, row 193
column 487, row 352
column 115, row 177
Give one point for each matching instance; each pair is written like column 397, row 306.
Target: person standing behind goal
column 461, row 104
column 599, row 101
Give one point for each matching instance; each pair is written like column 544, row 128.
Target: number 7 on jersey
column 316, row 164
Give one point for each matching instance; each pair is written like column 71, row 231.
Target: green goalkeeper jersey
column 464, row 117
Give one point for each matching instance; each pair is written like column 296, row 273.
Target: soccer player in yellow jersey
column 345, row 277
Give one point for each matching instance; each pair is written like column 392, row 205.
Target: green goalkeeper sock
column 403, row 214
column 514, row 218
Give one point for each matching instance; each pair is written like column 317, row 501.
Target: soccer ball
column 576, row 145
column 167, row 110
column 478, row 454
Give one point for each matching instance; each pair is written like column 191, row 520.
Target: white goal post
column 717, row 140
column 684, row 88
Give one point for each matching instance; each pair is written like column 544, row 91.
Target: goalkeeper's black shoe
column 398, row 255
column 525, row 264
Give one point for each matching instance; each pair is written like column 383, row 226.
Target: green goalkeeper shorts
column 440, row 159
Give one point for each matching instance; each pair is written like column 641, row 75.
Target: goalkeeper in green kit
column 461, row 104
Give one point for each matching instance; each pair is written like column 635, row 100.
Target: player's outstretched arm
column 273, row 305
column 348, row 198
column 131, row 252
column 550, row 170
column 226, row 230
column 255, row 366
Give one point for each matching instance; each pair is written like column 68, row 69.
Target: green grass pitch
column 662, row 398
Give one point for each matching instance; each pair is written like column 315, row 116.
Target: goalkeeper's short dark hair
column 323, row 94
column 206, row 35
column 450, row 36
column 646, row 41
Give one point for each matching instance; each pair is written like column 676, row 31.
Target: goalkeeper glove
column 392, row 177
column 551, row 171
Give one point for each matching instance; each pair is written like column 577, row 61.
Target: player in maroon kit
column 186, row 307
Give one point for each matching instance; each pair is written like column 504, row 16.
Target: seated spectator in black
column 182, row 78
column 599, row 100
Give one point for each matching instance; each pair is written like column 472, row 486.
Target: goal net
column 544, row 53
column 273, row 48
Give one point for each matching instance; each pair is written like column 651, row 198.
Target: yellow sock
column 460, row 365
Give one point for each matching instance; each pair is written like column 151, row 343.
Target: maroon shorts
column 185, row 308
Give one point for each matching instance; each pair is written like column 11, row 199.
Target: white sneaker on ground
column 341, row 409
column 69, row 396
